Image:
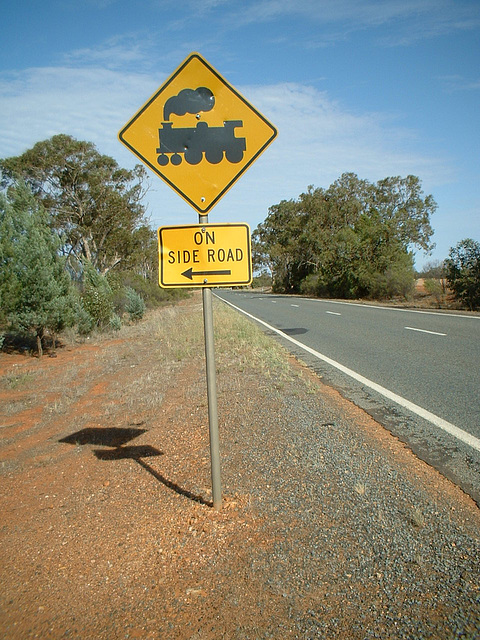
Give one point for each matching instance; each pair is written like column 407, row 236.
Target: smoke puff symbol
column 189, row 101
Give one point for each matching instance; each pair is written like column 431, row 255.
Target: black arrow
column 189, row 273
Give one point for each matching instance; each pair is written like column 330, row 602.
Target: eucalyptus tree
column 94, row 205
column 353, row 239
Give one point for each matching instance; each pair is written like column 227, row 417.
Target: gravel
column 370, row 542
column 330, row 526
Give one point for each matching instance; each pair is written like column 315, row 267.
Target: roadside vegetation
column 146, row 354
column 463, row 272
column 237, row 340
column 356, row 239
column 352, row 240
column 77, row 252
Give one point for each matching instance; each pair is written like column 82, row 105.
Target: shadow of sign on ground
column 116, row 438
column 295, row 331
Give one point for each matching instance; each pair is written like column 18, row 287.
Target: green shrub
column 35, row 289
column 85, row 322
column 463, row 272
column 135, row 304
column 434, row 288
column 263, row 280
column 115, row 324
column 148, row 289
column 310, row 285
column 97, row 297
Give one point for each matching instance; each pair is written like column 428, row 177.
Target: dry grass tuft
column 240, row 342
column 360, row 488
column 17, row 381
column 416, row 518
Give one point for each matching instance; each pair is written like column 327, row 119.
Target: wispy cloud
column 114, row 53
column 409, row 20
column 89, row 103
column 318, row 138
column 456, row 83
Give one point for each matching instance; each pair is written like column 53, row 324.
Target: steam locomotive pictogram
column 193, row 142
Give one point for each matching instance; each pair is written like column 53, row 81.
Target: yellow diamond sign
column 198, row 133
column 204, row 255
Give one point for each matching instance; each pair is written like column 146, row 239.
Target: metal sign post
column 190, row 255
column 211, row 392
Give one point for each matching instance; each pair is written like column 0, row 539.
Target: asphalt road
column 431, row 360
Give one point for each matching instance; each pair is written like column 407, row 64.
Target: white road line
column 294, row 305
column 333, row 313
column 450, row 428
column 435, row 333
column 374, row 306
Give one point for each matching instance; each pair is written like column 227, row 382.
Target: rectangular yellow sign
column 204, row 255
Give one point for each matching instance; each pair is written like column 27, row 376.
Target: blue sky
column 376, row 87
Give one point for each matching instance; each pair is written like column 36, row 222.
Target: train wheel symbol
column 193, row 156
column 234, row 155
column 214, row 156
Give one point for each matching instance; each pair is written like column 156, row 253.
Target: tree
column 463, row 272
column 35, row 290
column 94, row 205
column 277, row 245
column 402, row 205
column 433, row 269
column 353, row 239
